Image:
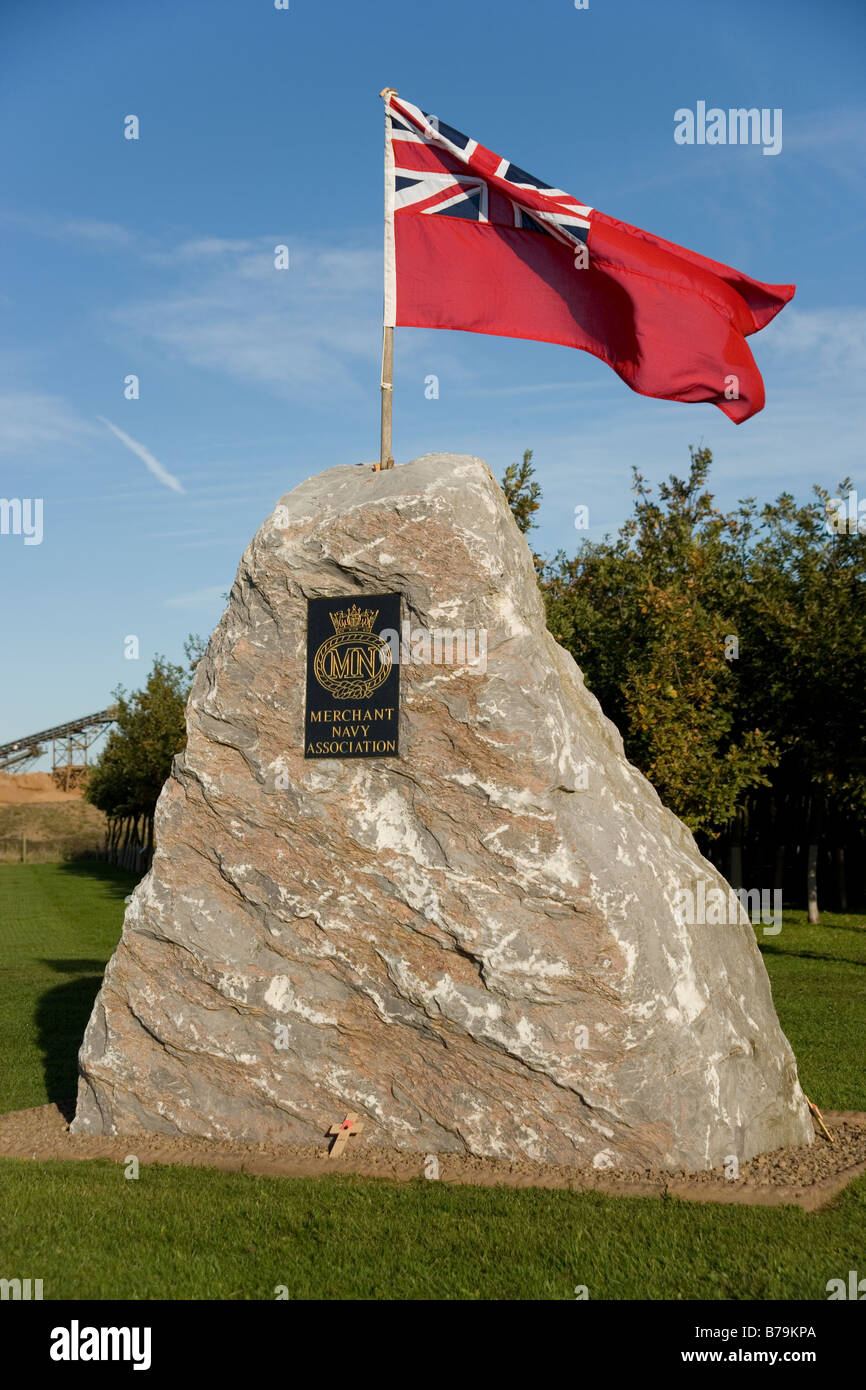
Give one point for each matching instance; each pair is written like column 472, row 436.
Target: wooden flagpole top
column 389, row 92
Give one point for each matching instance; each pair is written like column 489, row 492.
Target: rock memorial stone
column 478, row 945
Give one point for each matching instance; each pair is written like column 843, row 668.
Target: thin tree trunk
column 127, row 839
column 779, row 870
column 812, row 884
column 841, row 887
column 735, row 855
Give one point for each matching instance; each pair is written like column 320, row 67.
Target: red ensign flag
column 475, row 243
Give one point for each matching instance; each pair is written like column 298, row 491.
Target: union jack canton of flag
column 437, row 179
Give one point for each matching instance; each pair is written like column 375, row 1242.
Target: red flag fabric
column 473, row 242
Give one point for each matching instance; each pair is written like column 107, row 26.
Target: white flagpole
column 386, row 459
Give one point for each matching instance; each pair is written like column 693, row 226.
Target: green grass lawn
column 59, row 923
column 188, row 1233
column 88, row 1232
column 818, row 976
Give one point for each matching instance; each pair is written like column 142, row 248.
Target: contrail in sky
column 154, row 465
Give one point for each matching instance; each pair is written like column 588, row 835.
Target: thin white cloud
column 100, row 233
column 823, row 129
column 152, row 464
column 831, row 146
column 88, row 230
column 201, row 250
column 308, row 331
column 35, row 420
column 831, row 341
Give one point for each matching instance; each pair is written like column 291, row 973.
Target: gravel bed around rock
column 808, row 1176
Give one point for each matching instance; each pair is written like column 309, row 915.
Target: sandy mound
column 31, row 788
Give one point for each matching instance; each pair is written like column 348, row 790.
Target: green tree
column 804, row 653
column 646, row 617
column 729, row 650
column 149, row 730
column 522, row 493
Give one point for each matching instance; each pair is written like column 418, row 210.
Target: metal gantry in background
column 70, row 744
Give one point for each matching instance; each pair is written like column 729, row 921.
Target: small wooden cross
column 351, row 1125
column 820, row 1118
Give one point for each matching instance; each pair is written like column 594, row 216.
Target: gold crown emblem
column 354, row 619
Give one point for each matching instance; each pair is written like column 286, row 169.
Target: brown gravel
column 808, row 1176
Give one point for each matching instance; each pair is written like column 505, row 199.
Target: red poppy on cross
column 351, row 1125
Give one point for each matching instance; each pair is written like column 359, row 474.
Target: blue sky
column 260, row 127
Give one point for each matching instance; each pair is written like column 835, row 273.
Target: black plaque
column 353, row 677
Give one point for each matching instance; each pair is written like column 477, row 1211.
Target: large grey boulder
column 478, row 946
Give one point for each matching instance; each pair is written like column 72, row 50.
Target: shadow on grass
column 769, row 948
column 61, row 1018
column 119, row 882
column 830, row 921
column 62, row 1013
column 841, row 924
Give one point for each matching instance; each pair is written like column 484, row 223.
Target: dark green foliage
column 646, row 617
column 150, row 729
column 521, row 492
column 730, row 650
